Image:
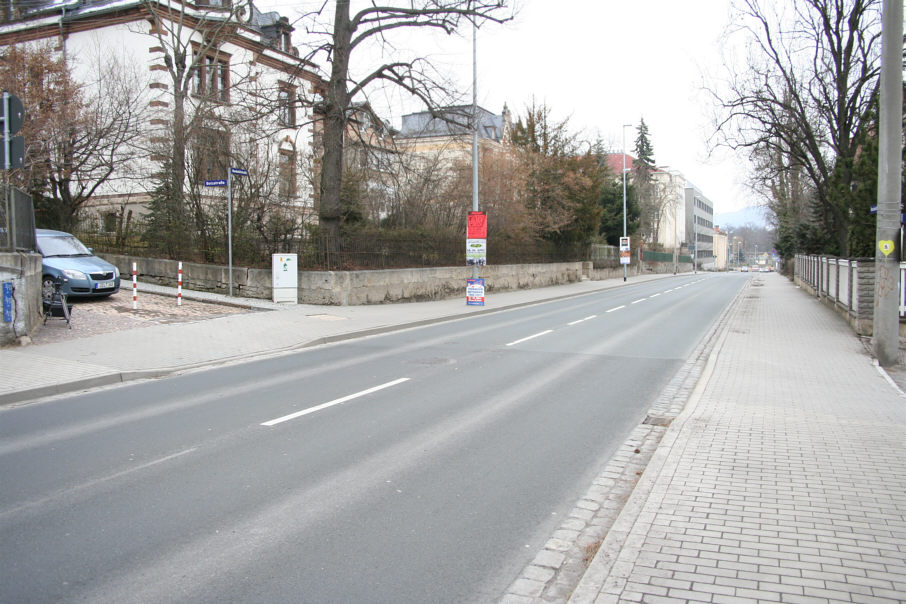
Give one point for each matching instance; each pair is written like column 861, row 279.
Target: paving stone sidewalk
column 781, row 481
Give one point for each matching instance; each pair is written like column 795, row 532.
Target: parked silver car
column 81, row 272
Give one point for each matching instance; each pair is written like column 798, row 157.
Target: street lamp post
column 474, row 128
column 625, row 267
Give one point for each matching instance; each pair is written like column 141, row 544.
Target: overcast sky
column 601, row 63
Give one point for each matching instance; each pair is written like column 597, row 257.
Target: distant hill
column 740, row 218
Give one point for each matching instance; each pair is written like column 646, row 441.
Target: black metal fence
column 368, row 250
column 17, row 220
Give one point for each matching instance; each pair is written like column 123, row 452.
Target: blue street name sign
column 239, row 171
column 215, row 183
column 874, row 210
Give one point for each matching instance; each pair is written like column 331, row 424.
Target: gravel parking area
column 114, row 313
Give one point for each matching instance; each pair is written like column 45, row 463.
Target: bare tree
column 77, row 133
column 190, row 41
column 804, row 96
column 375, row 25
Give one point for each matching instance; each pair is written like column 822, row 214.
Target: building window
column 287, row 174
column 286, row 99
column 211, row 154
column 212, row 76
column 110, row 221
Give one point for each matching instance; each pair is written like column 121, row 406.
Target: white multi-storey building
column 687, row 217
column 700, row 227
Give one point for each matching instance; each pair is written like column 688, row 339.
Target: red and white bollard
column 134, row 287
column 179, row 286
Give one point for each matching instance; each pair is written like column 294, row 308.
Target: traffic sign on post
column 15, row 146
column 12, row 149
column 14, row 113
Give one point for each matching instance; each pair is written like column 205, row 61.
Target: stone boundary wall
column 350, row 288
column 24, row 271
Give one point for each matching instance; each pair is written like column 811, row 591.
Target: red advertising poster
column 478, row 226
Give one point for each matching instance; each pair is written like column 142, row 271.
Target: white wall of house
column 252, row 65
column 672, row 184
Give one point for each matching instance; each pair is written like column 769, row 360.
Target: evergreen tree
column 610, row 200
column 648, row 197
column 166, row 232
column 643, row 151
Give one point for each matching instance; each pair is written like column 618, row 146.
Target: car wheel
column 47, row 287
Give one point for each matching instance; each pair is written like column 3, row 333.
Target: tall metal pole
column 675, row 234
column 230, row 225
column 886, row 321
column 474, row 128
column 11, row 230
column 624, row 192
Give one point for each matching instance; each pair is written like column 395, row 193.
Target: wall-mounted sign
column 474, row 292
column 476, row 252
column 478, row 226
column 625, row 254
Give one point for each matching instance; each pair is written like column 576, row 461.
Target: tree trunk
column 335, row 126
column 178, row 168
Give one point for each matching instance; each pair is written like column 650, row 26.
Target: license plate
column 104, row 285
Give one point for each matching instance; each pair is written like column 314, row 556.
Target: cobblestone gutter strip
column 557, row 569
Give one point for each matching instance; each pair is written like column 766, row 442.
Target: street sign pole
column 230, row 172
column 10, row 207
column 13, row 150
column 230, row 226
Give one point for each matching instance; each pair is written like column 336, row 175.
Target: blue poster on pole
column 474, row 292
column 7, row 302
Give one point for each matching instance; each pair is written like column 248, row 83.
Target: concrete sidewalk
column 41, row 370
column 781, row 481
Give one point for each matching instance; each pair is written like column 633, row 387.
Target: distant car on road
column 83, row 273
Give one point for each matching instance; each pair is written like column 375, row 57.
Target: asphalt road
column 425, row 465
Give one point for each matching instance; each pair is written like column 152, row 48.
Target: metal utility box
column 285, row 278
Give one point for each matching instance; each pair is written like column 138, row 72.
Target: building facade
column 700, row 227
column 234, row 77
column 721, row 250
column 446, row 137
column 670, row 186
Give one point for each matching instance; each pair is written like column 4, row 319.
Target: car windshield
column 63, row 245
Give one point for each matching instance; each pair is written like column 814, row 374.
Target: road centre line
column 338, row 401
column 654, row 295
column 639, row 300
column 537, row 335
column 582, row 320
column 616, row 308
